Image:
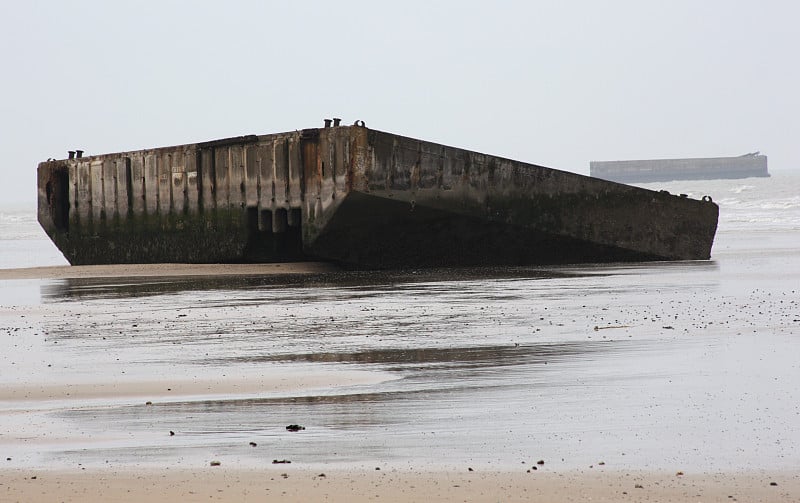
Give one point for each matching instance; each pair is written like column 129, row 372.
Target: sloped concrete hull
column 391, row 235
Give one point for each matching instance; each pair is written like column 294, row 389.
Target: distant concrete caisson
column 665, row 170
column 358, row 197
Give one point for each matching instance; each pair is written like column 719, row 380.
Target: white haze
column 553, row 83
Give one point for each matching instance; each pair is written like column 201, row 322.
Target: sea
column 689, row 366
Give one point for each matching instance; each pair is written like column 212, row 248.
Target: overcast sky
column 554, row 83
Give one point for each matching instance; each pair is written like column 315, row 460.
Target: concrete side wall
column 679, row 169
column 209, row 201
column 174, row 181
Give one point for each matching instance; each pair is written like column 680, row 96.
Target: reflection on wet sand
column 98, row 288
column 439, row 358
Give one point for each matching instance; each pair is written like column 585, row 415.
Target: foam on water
column 759, row 204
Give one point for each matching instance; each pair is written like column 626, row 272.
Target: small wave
column 728, row 201
column 19, row 225
column 742, row 188
column 12, row 218
column 781, row 204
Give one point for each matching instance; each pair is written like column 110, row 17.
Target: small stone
column 601, row 463
column 540, row 462
column 215, row 463
column 377, row 468
column 281, row 462
column 638, row 486
column 322, row 475
column 253, row 444
column 171, row 433
column 295, row 427
column 470, row 469
column 148, row 402
column 679, row 474
column 773, row 483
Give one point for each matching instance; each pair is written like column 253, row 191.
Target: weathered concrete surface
column 664, row 170
column 356, row 196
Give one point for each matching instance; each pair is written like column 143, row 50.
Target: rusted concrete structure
column 356, row 196
column 665, row 170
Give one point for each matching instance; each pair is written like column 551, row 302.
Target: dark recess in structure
column 129, row 186
column 57, row 189
column 268, row 243
column 252, row 220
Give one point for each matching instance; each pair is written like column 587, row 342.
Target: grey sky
column 553, row 83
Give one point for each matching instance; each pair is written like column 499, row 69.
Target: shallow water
column 678, row 366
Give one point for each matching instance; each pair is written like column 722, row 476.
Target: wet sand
column 285, row 483
column 186, row 389
column 163, row 270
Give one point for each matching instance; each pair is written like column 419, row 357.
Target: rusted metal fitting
column 78, row 154
column 71, row 154
column 336, row 121
column 327, row 123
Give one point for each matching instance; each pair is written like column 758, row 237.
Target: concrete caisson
column 356, row 196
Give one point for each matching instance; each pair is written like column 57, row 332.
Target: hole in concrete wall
column 294, row 217
column 265, row 221
column 252, row 219
column 279, row 220
column 270, row 238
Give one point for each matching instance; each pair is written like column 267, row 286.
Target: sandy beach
column 285, row 483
